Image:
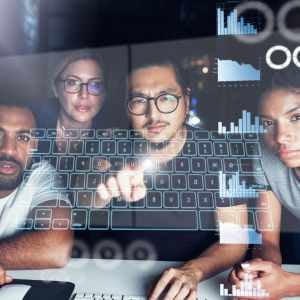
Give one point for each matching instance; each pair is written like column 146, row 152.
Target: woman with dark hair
column 279, row 110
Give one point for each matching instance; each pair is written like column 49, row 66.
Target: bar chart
column 235, row 25
column 246, row 289
column 236, row 189
column 244, row 125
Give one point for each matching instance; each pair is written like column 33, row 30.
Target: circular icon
column 110, row 253
column 80, row 254
column 295, row 57
column 268, row 14
column 144, row 251
column 283, row 65
column 281, row 20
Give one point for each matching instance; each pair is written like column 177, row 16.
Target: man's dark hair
column 152, row 62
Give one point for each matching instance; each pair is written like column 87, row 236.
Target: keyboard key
column 182, row 164
column 83, row 163
column 42, row 224
column 162, row 182
column 119, row 203
column 195, row 182
column 98, row 219
column 221, row 149
column 44, row 147
column 78, row 219
column 251, row 136
column 87, row 133
column 93, row 180
column 51, row 133
column 222, row 201
column 76, row 147
column 140, row 147
column 116, row 163
column 153, row 199
column 77, row 181
column 214, row 164
column 92, row 147
column 108, row 147
column 215, row 135
column 53, row 160
column 60, row 181
column 104, row 133
column 205, row 200
column 120, row 134
column 60, row 224
column 179, row 181
column 71, row 133
column 234, row 136
column 124, row 147
column 212, row 182
column 60, row 147
column 198, row 165
column 100, row 164
column 171, row 200
column 207, row 220
column 154, row 219
column 39, row 133
column 189, row 149
column 66, row 163
column 205, row 149
column 166, row 166
column 251, row 165
column 253, row 149
column 85, row 198
column 26, row 225
column 43, row 214
column 231, row 165
column 201, row 135
column 188, row 200
column 148, row 180
column 236, row 149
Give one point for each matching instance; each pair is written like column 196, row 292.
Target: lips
column 82, row 108
column 285, row 153
column 8, row 168
column 157, row 128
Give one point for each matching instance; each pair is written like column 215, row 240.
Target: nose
column 83, row 92
column 284, row 134
column 152, row 111
column 8, row 146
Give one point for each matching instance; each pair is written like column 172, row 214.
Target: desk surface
column 122, row 277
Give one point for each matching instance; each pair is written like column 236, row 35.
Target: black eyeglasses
column 165, row 103
column 73, row 85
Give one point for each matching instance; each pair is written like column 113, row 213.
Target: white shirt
column 33, row 191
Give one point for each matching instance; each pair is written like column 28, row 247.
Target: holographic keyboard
column 182, row 194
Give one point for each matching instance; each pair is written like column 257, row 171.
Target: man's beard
column 10, row 182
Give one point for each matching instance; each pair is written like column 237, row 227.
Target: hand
column 4, row 278
column 177, row 283
column 128, row 184
column 271, row 278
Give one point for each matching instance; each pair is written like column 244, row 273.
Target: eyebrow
column 285, row 113
column 168, row 90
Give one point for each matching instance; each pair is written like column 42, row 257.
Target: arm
column 38, row 249
column 182, row 282
column 270, row 248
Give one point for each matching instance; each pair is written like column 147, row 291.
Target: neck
column 64, row 122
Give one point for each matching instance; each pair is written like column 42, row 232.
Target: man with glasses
column 158, row 105
column 33, row 231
